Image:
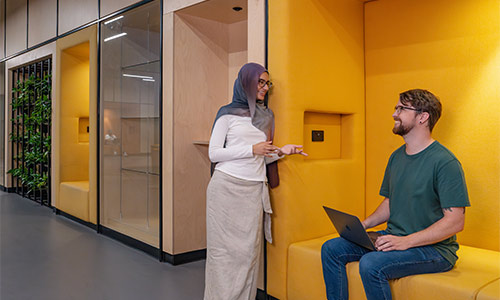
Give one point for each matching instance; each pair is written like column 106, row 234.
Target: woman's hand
column 291, row 149
column 264, row 148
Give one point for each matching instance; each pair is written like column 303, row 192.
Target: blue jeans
column 375, row 267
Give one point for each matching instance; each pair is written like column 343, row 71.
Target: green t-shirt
column 419, row 186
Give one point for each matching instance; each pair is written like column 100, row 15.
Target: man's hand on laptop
column 392, row 242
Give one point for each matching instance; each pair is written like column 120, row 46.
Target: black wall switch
column 318, row 135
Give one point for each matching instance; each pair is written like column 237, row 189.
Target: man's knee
column 369, row 265
column 329, row 248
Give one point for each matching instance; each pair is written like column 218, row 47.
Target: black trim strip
column 178, row 259
column 131, row 242
column 75, row 30
column 75, row 219
column 160, row 189
column 266, row 32
column 27, row 21
column 57, row 18
column 266, row 42
column 5, row 28
column 261, row 295
column 98, row 131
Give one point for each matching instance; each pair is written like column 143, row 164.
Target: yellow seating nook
column 352, row 59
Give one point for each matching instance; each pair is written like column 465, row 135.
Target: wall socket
column 318, row 135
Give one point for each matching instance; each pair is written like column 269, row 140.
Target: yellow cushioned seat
column 74, row 199
column 490, row 291
column 475, row 268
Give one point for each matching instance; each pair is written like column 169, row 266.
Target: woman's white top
column 236, row 157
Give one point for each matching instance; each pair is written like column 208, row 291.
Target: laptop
column 350, row 228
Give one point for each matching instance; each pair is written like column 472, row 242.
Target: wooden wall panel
column 75, row 13
column 256, row 31
column 2, row 29
column 200, row 88
column 237, row 52
column 173, row 5
column 110, row 6
column 42, row 21
column 168, row 135
column 16, row 26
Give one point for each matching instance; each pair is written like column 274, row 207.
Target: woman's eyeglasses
column 262, row 83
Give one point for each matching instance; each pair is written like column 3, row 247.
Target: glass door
column 130, row 123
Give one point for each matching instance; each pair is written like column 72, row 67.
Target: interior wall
column 74, row 103
column 174, row 5
column 15, row 31
column 316, row 63
column 198, row 75
column 237, row 52
column 109, row 6
column 42, row 21
column 453, row 50
column 2, row 28
column 200, row 88
column 75, row 13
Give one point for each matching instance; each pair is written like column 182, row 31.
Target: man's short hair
column 424, row 101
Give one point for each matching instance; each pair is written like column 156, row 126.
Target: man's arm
column 378, row 217
column 451, row 223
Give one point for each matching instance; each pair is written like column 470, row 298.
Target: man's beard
column 402, row 130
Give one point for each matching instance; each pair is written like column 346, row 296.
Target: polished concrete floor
column 46, row 256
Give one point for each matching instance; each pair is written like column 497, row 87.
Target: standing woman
column 237, row 195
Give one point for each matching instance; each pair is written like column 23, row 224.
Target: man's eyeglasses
column 400, row 108
column 262, row 83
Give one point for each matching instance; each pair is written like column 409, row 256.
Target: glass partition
column 130, row 123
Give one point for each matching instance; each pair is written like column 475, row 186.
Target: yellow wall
column 74, row 155
column 452, row 49
column 316, row 64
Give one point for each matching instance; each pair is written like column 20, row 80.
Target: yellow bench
column 475, row 276
column 74, row 199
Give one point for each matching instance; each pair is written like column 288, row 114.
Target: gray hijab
column 245, row 102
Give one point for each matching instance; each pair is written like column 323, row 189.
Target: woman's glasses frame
column 262, row 83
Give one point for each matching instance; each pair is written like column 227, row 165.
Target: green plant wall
column 31, row 111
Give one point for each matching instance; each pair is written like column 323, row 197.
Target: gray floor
column 45, row 256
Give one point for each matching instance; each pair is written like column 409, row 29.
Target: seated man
column 424, row 207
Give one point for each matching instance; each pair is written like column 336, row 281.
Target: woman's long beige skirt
column 234, row 237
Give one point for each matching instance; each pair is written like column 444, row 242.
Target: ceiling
column 219, row 10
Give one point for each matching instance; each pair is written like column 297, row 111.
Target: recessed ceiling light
column 112, row 20
column 137, row 76
column 115, row 36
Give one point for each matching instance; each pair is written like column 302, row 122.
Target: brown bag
column 273, row 178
